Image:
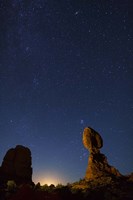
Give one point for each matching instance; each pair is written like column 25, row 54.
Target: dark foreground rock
column 16, row 166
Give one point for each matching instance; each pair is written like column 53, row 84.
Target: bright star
column 77, row 12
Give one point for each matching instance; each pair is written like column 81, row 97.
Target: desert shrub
column 51, row 187
column 45, row 188
column 37, row 186
column 11, row 185
column 59, row 186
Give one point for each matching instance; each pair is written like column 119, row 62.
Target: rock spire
column 97, row 163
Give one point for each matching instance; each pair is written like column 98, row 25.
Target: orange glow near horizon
column 49, row 178
column 49, row 181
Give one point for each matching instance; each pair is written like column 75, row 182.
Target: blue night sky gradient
column 65, row 65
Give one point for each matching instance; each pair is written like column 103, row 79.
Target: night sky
column 65, row 65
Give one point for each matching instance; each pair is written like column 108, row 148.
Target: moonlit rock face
column 92, row 140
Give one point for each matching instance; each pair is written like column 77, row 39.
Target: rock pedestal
column 16, row 165
column 97, row 163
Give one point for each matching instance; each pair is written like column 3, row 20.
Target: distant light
column 49, row 181
column 49, row 178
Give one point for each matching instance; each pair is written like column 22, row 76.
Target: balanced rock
column 92, row 140
column 16, row 165
column 97, row 163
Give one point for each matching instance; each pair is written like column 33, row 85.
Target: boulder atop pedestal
column 92, row 140
column 16, row 165
column 97, row 163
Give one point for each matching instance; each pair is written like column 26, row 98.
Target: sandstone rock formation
column 92, row 140
column 97, row 163
column 16, row 165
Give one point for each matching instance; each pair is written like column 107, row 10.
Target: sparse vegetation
column 104, row 188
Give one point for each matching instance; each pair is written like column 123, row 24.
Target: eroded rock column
column 97, row 163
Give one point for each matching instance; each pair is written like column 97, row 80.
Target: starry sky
column 65, row 65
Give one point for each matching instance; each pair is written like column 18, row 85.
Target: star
column 81, row 121
column 76, row 13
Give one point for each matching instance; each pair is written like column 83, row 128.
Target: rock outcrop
column 97, row 163
column 16, row 165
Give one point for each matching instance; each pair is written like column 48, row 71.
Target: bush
column 11, row 185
